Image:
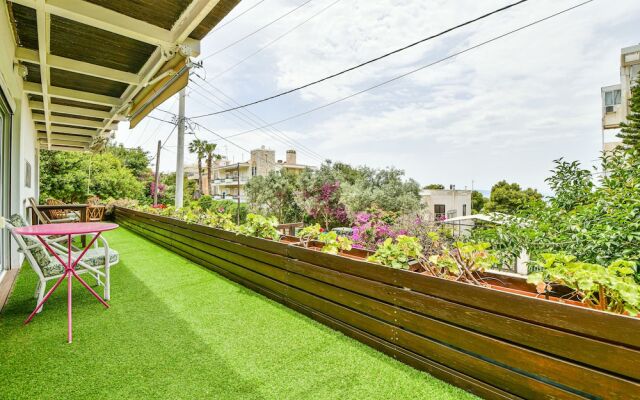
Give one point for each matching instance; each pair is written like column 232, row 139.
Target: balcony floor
column 177, row 330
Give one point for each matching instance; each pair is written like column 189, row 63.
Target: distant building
column 615, row 98
column 443, row 204
column 229, row 179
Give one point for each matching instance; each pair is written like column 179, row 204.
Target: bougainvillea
column 372, row 228
column 322, row 203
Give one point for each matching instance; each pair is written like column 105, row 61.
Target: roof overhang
column 93, row 63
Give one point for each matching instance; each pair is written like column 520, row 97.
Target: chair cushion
column 95, row 257
column 40, row 254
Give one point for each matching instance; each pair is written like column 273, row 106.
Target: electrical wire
column 254, row 121
column 398, row 77
column 344, row 71
column 221, row 137
column 275, row 40
column 257, row 30
column 236, row 17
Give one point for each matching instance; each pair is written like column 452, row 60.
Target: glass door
column 5, row 134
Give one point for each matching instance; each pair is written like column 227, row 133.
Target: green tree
column 135, row 159
column 72, row 176
column 274, row 194
column 509, row 197
column 384, row 189
column 209, row 149
column 597, row 224
column 168, row 182
column 630, row 132
column 477, row 202
column 434, row 186
column 197, row 147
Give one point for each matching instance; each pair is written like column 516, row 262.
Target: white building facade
column 616, row 98
column 442, row 204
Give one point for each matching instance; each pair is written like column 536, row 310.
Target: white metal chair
column 97, row 261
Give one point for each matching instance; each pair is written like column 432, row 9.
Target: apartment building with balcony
column 228, row 179
column 615, row 98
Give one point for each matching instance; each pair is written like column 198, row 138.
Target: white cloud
column 505, row 110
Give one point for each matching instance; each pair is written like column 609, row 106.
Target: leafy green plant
column 220, row 220
column 462, row 261
column 260, row 226
column 333, row 243
column 610, row 288
column 205, row 202
column 309, row 233
column 399, row 253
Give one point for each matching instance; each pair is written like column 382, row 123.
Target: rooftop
column 178, row 330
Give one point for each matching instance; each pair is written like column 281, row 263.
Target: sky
column 505, row 110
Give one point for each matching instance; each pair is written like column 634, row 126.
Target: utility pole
column 180, row 150
column 157, row 178
column 238, row 208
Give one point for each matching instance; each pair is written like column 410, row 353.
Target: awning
column 93, row 63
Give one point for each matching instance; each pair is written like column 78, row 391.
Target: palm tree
column 208, row 150
column 197, row 146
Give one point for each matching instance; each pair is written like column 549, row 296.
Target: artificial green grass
column 177, row 330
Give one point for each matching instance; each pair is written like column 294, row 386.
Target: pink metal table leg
column 69, row 273
column 54, row 287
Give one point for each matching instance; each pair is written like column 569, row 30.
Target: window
column 5, row 132
column 254, row 171
column 439, row 211
column 612, row 97
column 464, row 210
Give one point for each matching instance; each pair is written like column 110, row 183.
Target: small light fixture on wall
column 27, row 174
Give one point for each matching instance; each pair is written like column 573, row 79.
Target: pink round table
column 68, row 230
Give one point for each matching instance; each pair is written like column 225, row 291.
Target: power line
column 236, row 17
column 254, row 120
column 157, row 127
column 276, row 39
column 221, row 137
column 240, row 117
column 398, row 77
column 257, row 30
column 197, row 124
column 344, row 71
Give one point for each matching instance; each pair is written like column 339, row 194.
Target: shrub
column 399, row 253
column 610, row 288
column 111, row 203
column 309, row 233
column 260, row 226
column 205, row 202
column 333, row 244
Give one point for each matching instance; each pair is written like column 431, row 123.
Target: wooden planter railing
column 495, row 344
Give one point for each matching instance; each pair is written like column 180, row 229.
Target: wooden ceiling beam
column 105, row 19
column 69, row 138
column 190, row 18
column 80, row 67
column 43, row 22
column 68, row 148
column 71, row 94
column 54, row 119
column 71, row 110
column 68, row 130
column 69, row 143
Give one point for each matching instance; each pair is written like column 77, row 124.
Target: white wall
column 452, row 199
column 23, row 136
